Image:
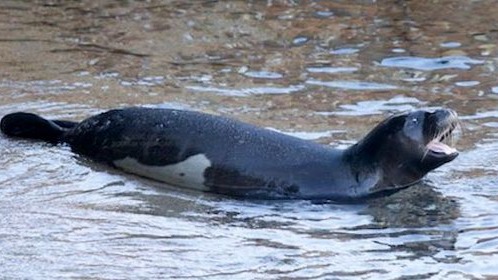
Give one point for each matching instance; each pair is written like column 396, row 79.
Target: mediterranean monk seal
column 226, row 156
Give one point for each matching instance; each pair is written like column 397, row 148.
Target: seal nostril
column 445, row 116
column 442, row 113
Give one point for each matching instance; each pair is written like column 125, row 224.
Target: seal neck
column 375, row 160
column 379, row 163
column 366, row 153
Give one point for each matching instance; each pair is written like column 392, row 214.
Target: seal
column 222, row 155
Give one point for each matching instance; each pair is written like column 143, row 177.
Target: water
column 428, row 64
column 326, row 71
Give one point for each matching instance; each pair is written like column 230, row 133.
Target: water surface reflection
column 321, row 70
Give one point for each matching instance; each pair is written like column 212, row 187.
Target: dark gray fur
column 247, row 160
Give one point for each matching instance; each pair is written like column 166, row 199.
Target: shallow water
column 321, row 70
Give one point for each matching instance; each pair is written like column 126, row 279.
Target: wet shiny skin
column 222, row 155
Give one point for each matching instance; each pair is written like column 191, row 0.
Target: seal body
column 210, row 153
column 222, row 155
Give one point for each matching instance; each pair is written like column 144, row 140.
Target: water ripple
column 373, row 107
column 430, row 64
column 247, row 91
column 353, row 85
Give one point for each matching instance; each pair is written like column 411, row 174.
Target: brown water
column 323, row 70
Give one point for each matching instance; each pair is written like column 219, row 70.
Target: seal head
column 404, row 148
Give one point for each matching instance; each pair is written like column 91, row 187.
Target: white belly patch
column 188, row 173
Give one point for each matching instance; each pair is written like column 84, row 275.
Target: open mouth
column 440, row 145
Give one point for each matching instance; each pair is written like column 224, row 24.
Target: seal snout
column 446, row 118
column 441, row 125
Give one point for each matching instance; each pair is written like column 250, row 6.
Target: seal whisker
column 426, row 152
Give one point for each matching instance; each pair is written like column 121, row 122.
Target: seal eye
column 414, row 120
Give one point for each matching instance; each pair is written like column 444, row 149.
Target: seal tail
column 31, row 126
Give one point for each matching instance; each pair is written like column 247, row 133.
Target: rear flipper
column 27, row 125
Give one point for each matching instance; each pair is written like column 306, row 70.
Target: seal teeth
column 441, row 148
column 443, row 141
column 445, row 134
